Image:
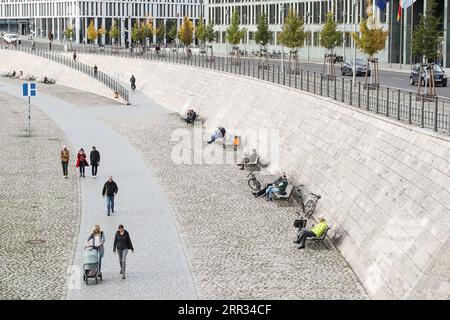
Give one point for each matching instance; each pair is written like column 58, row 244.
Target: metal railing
column 399, row 104
column 53, row 55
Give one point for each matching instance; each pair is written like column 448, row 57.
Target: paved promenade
column 197, row 230
column 158, row 269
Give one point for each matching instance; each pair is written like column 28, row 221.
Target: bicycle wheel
column 309, row 208
column 254, row 184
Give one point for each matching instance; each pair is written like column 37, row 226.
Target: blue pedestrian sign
column 29, row 89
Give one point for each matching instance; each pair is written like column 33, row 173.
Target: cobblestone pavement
column 36, row 203
column 158, row 269
column 238, row 247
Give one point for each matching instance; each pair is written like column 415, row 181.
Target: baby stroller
column 91, row 264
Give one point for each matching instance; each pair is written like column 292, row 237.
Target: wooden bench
column 287, row 195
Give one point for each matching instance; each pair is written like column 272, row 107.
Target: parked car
column 11, row 38
column 439, row 75
column 361, row 65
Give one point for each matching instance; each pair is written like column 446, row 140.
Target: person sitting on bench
column 248, row 158
column 263, row 190
column 316, row 231
column 220, row 133
column 279, row 187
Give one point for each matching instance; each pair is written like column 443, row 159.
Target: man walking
column 95, row 161
column 110, row 189
column 95, row 71
column 65, row 161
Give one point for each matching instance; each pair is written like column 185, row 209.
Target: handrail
column 104, row 78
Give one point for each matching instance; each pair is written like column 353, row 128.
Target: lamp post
column 344, row 39
column 308, row 35
column 282, row 45
column 355, row 10
column 176, row 40
column 227, row 14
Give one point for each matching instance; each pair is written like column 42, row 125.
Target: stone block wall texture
column 385, row 186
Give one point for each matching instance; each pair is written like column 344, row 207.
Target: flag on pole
column 403, row 4
column 407, row 3
column 381, row 4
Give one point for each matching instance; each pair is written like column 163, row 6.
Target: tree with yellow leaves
column 92, row 32
column 186, row 32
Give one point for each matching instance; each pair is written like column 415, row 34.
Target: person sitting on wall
column 220, row 133
column 45, row 81
column 280, row 188
column 191, row 116
column 248, row 158
column 157, row 48
column 316, row 231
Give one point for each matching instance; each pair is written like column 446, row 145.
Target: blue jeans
column 110, row 203
column 270, row 190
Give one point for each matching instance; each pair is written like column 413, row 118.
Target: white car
column 11, row 38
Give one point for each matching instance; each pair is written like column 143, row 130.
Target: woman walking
column 98, row 239
column 122, row 242
column 81, row 161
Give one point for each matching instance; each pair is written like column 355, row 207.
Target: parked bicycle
column 253, row 183
column 310, row 206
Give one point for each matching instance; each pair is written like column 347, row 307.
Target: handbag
column 300, row 223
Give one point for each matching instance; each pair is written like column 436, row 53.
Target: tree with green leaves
column 262, row 34
column 137, row 33
column 148, row 30
column 68, row 33
column 426, row 35
column 186, row 32
column 114, row 32
column 210, row 35
column 200, row 32
column 172, row 33
column 330, row 38
column 234, row 34
column 293, row 35
column 370, row 40
column 160, row 33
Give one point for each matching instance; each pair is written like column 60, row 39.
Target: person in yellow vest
column 316, row 231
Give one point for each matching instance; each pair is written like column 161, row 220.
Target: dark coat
column 110, row 188
column 95, row 157
column 122, row 242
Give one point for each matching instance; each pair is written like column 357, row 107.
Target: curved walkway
column 158, row 269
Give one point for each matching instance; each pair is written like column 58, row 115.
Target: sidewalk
column 158, row 269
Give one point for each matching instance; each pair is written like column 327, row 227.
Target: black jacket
column 122, row 242
column 222, row 130
column 95, row 157
column 110, row 188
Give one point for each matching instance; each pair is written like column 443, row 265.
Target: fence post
column 335, row 94
column 342, row 89
column 436, row 105
column 258, row 70
column 273, row 73
column 290, row 77
column 314, row 83
column 321, row 78
column 284, row 75
column 351, row 92
column 398, row 104
column 377, row 104
column 368, row 98
column 301, row 79
column 410, row 108
column 278, row 67
column 307, row 80
column 422, row 113
column 359, row 94
column 328, row 85
column 295, row 78
column 387, row 102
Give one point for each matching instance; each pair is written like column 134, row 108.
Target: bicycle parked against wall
column 310, row 206
column 253, row 183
